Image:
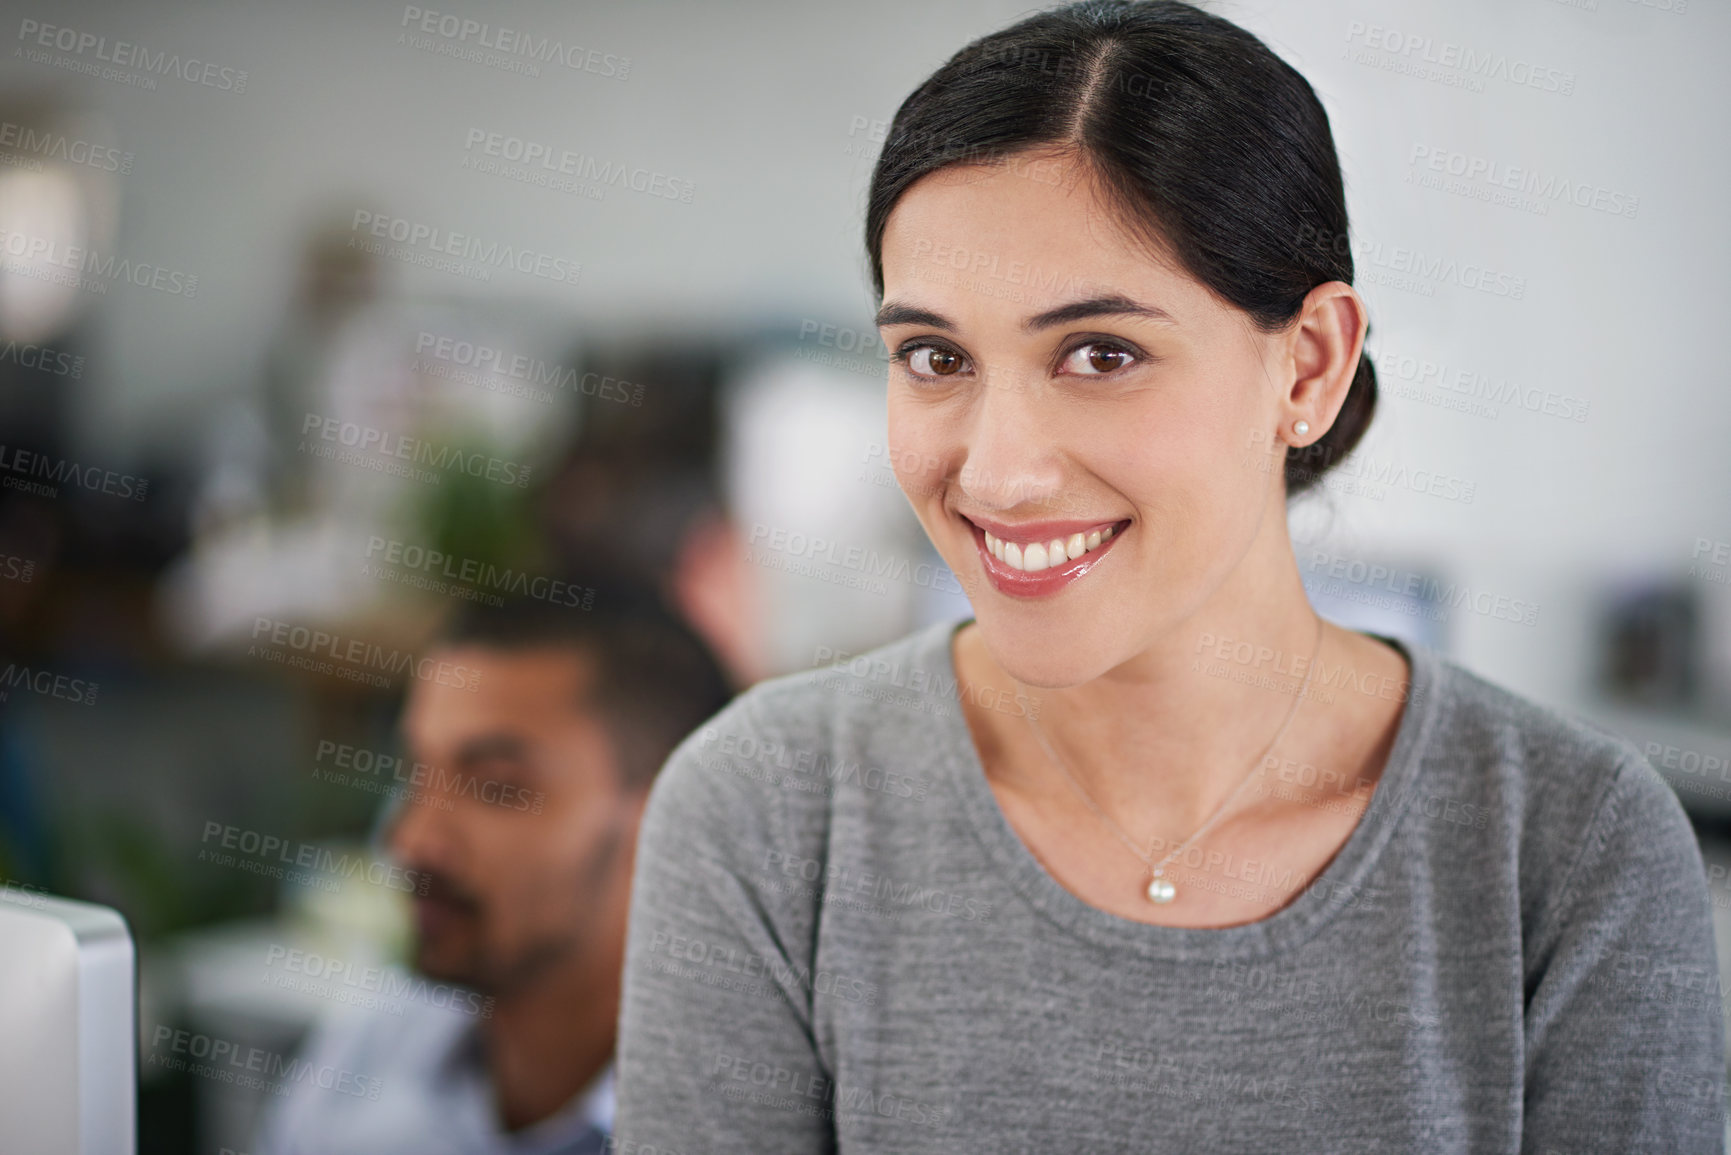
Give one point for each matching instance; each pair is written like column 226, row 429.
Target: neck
column 548, row 1042
column 1162, row 740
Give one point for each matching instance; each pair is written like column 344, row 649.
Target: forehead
column 1018, row 236
column 518, row 688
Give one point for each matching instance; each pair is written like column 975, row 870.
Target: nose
column 423, row 832
column 1011, row 458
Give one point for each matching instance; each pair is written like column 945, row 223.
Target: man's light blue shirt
column 414, row 1084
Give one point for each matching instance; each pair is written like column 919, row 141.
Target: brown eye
column 1096, row 359
column 1105, row 360
column 931, row 361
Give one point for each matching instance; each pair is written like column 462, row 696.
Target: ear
column 1323, row 347
column 713, row 591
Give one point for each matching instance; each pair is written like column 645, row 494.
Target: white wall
column 758, row 105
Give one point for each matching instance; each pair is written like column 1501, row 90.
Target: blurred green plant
column 478, row 518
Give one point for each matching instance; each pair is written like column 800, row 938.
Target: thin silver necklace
column 1160, row 889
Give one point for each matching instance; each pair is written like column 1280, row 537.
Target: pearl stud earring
column 1301, row 427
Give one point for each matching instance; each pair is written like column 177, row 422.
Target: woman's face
column 1050, row 380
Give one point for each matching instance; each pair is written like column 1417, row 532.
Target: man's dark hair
column 640, row 476
column 655, row 679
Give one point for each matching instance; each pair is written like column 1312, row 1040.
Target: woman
column 1146, row 856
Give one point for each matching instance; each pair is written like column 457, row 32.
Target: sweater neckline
column 1337, row 888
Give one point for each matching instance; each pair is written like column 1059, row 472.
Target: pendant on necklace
column 1161, row 890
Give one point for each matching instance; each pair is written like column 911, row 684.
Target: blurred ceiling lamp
column 52, row 214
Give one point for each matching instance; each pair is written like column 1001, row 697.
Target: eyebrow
column 1109, row 305
column 895, row 313
column 494, row 745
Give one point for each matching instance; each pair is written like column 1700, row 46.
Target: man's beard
column 486, row 973
column 456, row 956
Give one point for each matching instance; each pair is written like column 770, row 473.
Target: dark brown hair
column 655, row 680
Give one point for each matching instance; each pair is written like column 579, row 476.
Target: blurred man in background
column 529, row 790
column 642, row 490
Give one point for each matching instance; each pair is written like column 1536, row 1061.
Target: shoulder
column 1570, row 792
column 767, row 764
column 843, row 691
column 395, row 1041
column 351, row 1059
column 1556, row 766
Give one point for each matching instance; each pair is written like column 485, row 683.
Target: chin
column 1043, row 651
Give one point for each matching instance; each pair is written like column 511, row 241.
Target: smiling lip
column 1018, row 583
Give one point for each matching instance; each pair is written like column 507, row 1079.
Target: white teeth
column 1039, row 555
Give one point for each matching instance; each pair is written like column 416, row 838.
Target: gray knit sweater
column 839, row 943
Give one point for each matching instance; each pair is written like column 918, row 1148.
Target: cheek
column 539, row 893
column 1149, row 450
column 1184, row 461
column 566, row 843
column 916, row 449
column 1205, row 432
column 500, row 859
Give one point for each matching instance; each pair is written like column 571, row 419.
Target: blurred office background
column 306, row 241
